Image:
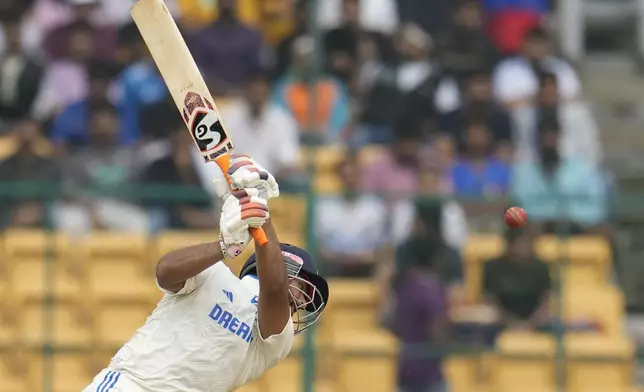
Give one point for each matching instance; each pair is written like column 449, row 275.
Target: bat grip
column 256, row 232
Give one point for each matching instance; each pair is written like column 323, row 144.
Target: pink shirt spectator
column 65, row 82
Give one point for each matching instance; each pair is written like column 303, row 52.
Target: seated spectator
column 66, row 79
column 517, row 285
column 509, row 20
column 420, row 318
column 284, row 48
column 341, row 43
column 478, row 172
column 27, row 164
column 226, row 50
column 139, row 85
column 477, row 102
column 465, row 47
column 516, row 80
column 176, row 175
column 292, row 92
column 102, row 38
column 350, row 227
column 70, row 129
column 554, row 189
column 372, row 15
column 20, row 78
column 97, row 180
column 263, row 130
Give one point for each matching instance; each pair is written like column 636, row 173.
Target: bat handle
column 258, row 233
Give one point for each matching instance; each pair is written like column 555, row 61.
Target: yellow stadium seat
column 288, row 213
column 478, row 250
column 324, row 158
column 603, row 304
column 71, row 323
column 7, row 147
column 525, row 359
column 14, row 372
column 599, row 363
column 285, row 377
column 71, row 372
column 169, row 241
column 588, row 258
column 353, row 306
column 327, row 184
column 32, row 278
column 115, row 279
column 366, row 361
column 252, row 387
column 116, row 321
column 34, row 243
column 463, row 373
column 115, row 244
column 370, row 154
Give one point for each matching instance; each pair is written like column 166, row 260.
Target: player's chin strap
column 307, row 301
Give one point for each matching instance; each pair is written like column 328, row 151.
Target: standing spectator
column 284, row 49
column 103, row 38
column 139, row 86
column 432, row 15
column 420, row 318
column 293, row 93
column 97, row 180
column 20, row 77
column 516, row 80
column 177, row 175
column 479, row 173
column 66, row 80
column 264, row 130
column 373, row 15
column 350, row 228
column 509, row 20
column 517, row 285
column 27, row 164
column 227, row 50
column 70, row 129
column 554, row 189
column 464, row 47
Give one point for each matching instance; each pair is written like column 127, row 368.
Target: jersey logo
column 254, row 300
column 228, row 295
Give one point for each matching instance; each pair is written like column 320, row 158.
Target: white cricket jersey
column 205, row 338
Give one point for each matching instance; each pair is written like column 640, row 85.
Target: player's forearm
column 182, row 264
column 270, row 263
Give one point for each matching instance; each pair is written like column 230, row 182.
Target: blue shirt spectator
column 478, row 173
column 560, row 189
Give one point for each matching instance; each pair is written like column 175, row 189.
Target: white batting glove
column 242, row 209
column 244, row 172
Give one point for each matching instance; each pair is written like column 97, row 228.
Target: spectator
column 465, row 48
column 178, row 175
column 97, row 180
column 20, row 77
column 69, row 129
column 373, row 15
column 227, row 50
column 516, row 80
column 264, row 130
column 478, row 173
column 477, row 102
column 517, row 285
column 24, row 165
column 66, row 79
column 103, row 38
column 139, row 86
column 350, row 228
column 432, row 16
column 554, row 189
column 292, row 92
column 509, row 20
column 341, row 43
column 284, row 50
column 420, row 319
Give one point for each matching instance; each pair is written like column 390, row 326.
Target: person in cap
column 214, row 331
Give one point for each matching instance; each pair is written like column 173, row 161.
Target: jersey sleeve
column 193, row 283
column 266, row 353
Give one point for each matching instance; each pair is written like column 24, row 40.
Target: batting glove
column 242, row 209
column 244, row 173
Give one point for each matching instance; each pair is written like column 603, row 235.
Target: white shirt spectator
column 514, row 80
column 374, row 15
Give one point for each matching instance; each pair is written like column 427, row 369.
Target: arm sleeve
column 266, row 353
column 193, row 283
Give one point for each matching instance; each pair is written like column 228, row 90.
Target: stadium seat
column 31, row 278
column 598, row 363
column 477, row 251
column 370, row 154
column 464, row 373
column 285, row 377
column 116, row 321
column 33, row 243
column 327, row 184
column 324, row 158
column 14, row 372
column 252, row 387
column 70, row 372
column 602, row 304
column 288, row 213
column 354, row 306
column 120, row 279
column 525, row 359
column 588, row 258
column 171, row 240
column 71, row 324
column 366, row 361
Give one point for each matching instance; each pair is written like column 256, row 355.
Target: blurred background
column 400, row 131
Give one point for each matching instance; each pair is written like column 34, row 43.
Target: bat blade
column 183, row 79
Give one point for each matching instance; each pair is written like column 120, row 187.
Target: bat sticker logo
column 207, row 130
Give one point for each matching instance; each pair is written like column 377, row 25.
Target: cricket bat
column 186, row 85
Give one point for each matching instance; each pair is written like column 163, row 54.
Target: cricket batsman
column 213, row 331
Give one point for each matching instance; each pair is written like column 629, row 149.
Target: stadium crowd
column 466, row 100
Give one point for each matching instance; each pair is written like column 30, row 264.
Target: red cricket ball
column 515, row 217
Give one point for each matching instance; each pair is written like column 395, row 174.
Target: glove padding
column 242, row 209
column 245, row 173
